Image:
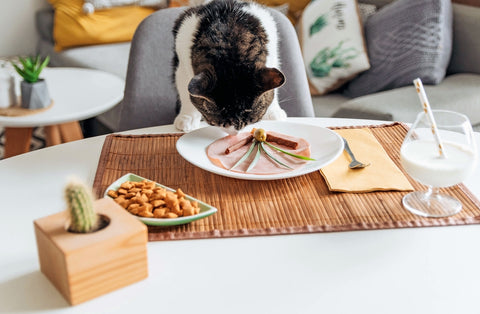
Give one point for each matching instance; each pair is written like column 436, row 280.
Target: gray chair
column 150, row 95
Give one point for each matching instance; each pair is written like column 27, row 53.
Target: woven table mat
column 252, row 208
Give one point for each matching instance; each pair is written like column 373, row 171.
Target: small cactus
column 79, row 199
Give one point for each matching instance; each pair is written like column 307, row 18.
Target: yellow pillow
column 295, row 7
column 72, row 27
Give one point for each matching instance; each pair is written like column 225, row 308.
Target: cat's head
column 234, row 100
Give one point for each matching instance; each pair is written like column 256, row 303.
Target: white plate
column 325, row 147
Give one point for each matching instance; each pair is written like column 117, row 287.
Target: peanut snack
column 145, row 199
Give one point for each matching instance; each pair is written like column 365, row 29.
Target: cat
column 225, row 66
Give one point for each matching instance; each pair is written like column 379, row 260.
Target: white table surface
column 415, row 270
column 77, row 94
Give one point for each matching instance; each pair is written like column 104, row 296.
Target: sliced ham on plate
column 265, row 166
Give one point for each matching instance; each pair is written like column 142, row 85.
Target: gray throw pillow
column 405, row 40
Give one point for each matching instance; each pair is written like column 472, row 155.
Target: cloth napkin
column 381, row 175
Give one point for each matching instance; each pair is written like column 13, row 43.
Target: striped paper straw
column 428, row 111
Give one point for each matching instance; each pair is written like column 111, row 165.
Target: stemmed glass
column 421, row 159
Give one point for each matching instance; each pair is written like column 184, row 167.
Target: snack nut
column 145, row 199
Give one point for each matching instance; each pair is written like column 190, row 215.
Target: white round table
column 395, row 271
column 77, row 94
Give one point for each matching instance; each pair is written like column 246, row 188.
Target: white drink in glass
column 423, row 163
column 422, row 159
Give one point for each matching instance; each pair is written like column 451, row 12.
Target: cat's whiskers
column 280, row 101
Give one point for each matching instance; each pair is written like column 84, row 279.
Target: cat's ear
column 271, row 78
column 201, row 84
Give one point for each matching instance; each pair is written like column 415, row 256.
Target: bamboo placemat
column 251, row 208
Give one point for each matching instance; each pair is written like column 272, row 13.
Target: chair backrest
column 150, row 96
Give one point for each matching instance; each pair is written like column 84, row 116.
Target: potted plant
column 33, row 89
column 91, row 248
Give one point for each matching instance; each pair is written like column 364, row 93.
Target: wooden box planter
column 83, row 266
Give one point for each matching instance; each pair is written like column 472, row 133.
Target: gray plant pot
column 35, row 95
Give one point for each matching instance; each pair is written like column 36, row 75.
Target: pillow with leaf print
column 333, row 46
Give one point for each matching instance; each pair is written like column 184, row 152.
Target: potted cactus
column 33, row 89
column 79, row 248
column 83, row 218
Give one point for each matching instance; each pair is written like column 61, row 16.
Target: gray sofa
column 459, row 91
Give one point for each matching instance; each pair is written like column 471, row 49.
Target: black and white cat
column 225, row 66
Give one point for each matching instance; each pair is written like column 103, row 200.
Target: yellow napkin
column 381, row 175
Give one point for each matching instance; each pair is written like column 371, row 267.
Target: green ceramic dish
column 205, row 209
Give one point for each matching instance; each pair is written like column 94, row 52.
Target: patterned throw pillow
column 332, row 43
column 405, row 39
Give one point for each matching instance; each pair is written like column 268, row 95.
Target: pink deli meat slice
column 264, row 166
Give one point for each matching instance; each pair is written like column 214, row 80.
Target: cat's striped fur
column 226, row 65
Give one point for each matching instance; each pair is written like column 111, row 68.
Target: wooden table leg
column 17, row 141
column 63, row 133
column 52, row 135
column 70, row 131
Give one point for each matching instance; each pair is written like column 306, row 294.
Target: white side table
column 77, row 94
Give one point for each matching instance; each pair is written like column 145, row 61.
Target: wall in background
column 18, row 35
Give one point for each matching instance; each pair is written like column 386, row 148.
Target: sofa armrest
column 44, row 24
column 466, row 40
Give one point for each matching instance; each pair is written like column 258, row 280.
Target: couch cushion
column 326, row 105
column 406, row 39
column 458, row 92
column 466, row 40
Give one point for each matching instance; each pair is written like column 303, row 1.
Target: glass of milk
column 421, row 159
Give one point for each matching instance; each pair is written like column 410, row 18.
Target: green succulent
column 31, row 67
